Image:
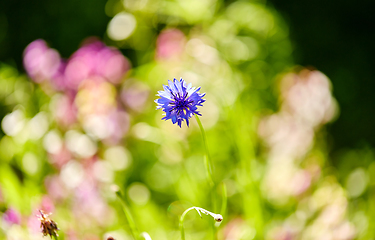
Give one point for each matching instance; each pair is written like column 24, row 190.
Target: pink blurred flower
column 238, row 228
column 56, row 189
column 91, row 237
column 95, row 59
column 61, row 157
column 88, row 204
column 33, row 223
column 111, row 65
column 135, row 96
column 81, row 65
column 286, row 136
column 281, row 233
column 307, row 95
column 11, row 216
column 65, row 110
column 40, row 61
column 300, row 182
column 47, row 204
column 58, row 80
column 170, row 43
column 109, row 127
column 71, row 235
column 120, row 122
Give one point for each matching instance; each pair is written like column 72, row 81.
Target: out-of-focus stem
column 209, row 169
column 146, row 236
column 224, row 198
column 128, row 215
column 207, row 159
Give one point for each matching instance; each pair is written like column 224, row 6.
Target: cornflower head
column 179, row 101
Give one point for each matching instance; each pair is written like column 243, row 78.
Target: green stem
column 224, row 203
column 146, row 236
column 209, row 169
column 181, row 225
column 207, row 159
column 128, row 215
column 55, row 237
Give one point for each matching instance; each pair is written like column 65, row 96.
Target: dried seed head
column 110, row 238
column 48, row 226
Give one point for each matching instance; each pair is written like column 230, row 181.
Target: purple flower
column 179, row 101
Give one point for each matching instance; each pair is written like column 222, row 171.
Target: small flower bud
column 218, row 218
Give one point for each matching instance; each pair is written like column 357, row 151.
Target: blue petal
column 165, row 94
column 172, row 87
column 179, row 87
column 162, row 100
column 174, row 118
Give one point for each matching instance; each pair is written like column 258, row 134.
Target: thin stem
column 207, row 159
column 216, row 217
column 55, row 237
column 128, row 215
column 224, row 202
column 209, row 169
column 181, row 224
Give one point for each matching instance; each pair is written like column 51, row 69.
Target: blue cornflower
column 179, row 101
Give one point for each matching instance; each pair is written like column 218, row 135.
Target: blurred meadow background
column 287, row 115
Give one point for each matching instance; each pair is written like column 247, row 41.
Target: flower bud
column 218, row 218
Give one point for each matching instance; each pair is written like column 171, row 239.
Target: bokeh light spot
column 72, row 174
column 121, row 26
column 139, row 193
column 30, row 163
column 356, row 182
column 13, row 123
column 103, row 171
column 118, row 157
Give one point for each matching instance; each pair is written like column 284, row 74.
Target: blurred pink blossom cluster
column 306, row 104
column 307, row 96
column 93, row 60
column 83, row 86
column 90, row 106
